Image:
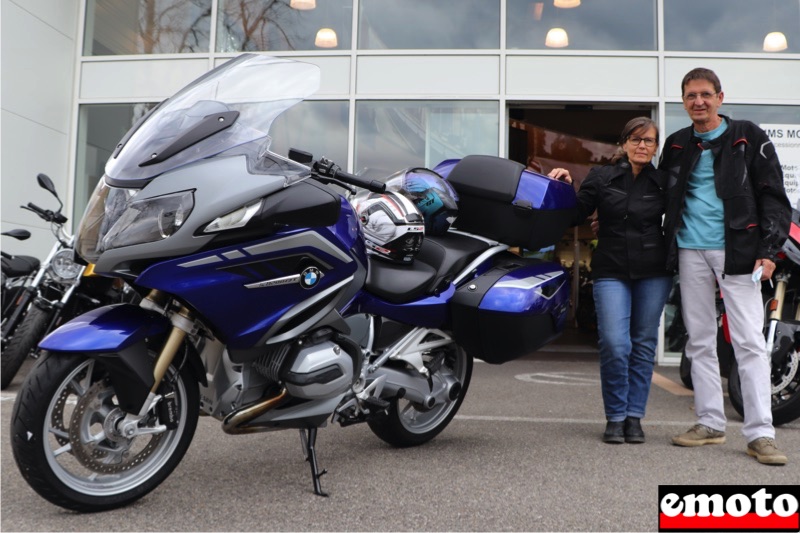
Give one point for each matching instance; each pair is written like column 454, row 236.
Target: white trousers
column 745, row 311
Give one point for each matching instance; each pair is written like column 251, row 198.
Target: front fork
column 776, row 309
column 182, row 324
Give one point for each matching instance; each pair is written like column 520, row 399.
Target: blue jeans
column 628, row 314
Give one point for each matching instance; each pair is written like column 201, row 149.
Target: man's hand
column 769, row 268
column 560, row 174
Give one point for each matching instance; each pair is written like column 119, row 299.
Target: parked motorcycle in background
column 59, row 261
column 60, row 290
column 263, row 308
column 17, row 270
column 782, row 332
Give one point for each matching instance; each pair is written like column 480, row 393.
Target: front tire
column 407, row 424
column 26, row 337
column 64, row 439
column 785, row 390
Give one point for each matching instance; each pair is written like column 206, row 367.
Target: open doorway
column 577, row 137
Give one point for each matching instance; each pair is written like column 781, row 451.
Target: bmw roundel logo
column 310, row 277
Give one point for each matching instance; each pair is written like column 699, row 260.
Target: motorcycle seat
column 19, row 265
column 439, row 260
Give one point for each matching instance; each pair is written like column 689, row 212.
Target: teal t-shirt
column 703, row 214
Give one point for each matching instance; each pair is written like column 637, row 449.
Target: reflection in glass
column 422, row 24
column 596, row 25
column 394, row 135
column 273, row 25
column 315, row 126
column 100, row 127
column 676, row 117
column 729, row 25
column 120, row 27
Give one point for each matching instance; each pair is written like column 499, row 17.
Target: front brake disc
column 106, row 451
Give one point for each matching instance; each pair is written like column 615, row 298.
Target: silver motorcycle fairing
column 213, row 197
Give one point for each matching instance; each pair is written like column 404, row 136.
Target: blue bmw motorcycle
column 261, row 307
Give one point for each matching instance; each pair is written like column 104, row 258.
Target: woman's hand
column 560, row 174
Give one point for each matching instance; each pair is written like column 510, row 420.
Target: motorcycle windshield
column 231, row 105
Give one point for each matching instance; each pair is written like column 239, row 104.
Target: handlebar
column 45, row 214
column 328, row 169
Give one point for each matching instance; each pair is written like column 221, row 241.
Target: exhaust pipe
column 236, row 422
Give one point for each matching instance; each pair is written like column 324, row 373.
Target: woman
column 631, row 283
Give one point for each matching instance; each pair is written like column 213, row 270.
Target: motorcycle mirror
column 300, row 156
column 19, row 234
column 47, row 184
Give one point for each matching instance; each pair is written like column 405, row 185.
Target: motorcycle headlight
column 63, row 267
column 234, row 219
column 149, row 220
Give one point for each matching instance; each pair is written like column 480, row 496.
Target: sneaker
column 633, row 431
column 698, row 436
column 614, row 433
column 765, row 452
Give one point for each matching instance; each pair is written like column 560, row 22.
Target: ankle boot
column 614, row 433
column 633, row 431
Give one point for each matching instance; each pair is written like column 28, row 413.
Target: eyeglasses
column 648, row 141
column 691, row 97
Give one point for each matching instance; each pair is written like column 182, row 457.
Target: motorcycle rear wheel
column 785, row 402
column 407, row 424
column 64, row 439
column 26, row 337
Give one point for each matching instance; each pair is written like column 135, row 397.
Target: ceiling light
column 303, row 5
column 775, row 42
column 556, row 38
column 566, row 4
column 326, row 38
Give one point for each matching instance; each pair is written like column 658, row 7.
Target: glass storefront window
column 122, row 27
column 318, row 127
column 284, row 25
column 426, row 25
column 592, row 25
column 730, row 25
column 676, row 117
column 392, row 135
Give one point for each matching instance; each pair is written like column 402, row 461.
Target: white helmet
column 393, row 226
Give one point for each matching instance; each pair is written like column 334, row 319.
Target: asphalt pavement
column 523, row 454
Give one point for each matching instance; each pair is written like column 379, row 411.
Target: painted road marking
column 560, row 378
column 670, row 386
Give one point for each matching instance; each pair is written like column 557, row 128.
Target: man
column 727, row 217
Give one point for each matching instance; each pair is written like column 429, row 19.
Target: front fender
column 106, row 329
column 115, row 335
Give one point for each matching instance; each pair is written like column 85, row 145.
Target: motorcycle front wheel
column 785, row 390
column 408, row 424
column 66, row 439
column 27, row 335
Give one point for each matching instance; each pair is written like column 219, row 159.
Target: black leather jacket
column 748, row 179
column 630, row 242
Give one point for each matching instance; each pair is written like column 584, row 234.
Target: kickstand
column 308, row 440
